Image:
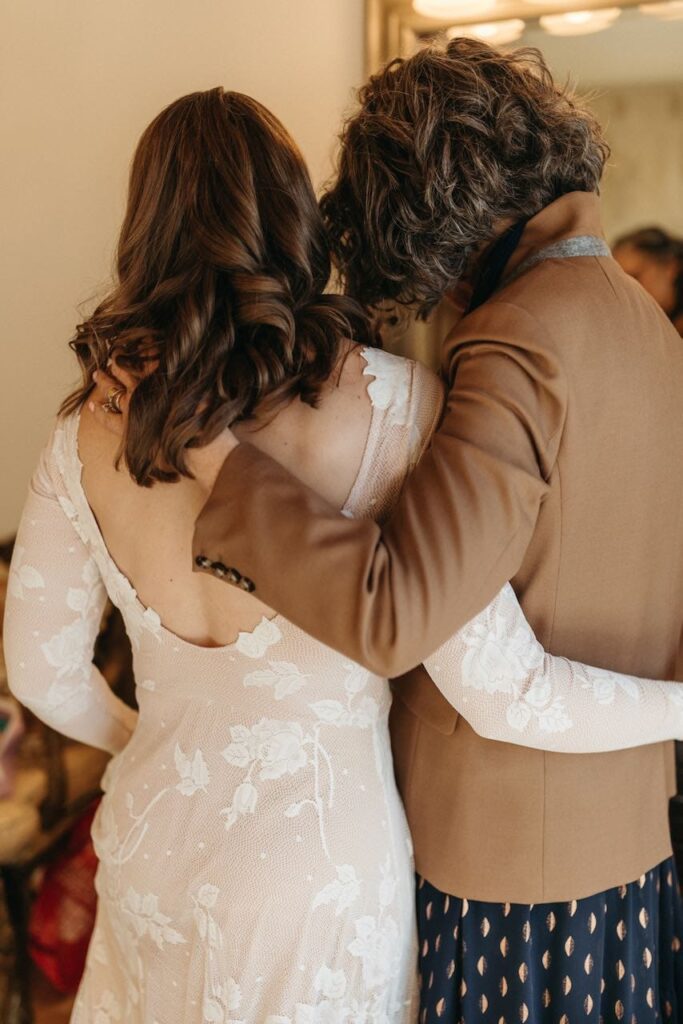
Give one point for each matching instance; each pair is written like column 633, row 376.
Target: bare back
column 253, row 741
column 148, row 531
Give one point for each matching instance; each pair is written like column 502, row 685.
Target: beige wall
column 79, row 80
column 643, row 183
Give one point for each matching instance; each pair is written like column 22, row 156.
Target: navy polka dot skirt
column 612, row 957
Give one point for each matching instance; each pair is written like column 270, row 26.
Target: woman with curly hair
column 546, row 888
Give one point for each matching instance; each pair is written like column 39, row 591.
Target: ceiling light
column 445, row 9
column 580, row 23
column 496, row 33
column 669, row 11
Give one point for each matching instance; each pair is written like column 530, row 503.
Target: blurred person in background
column 655, row 259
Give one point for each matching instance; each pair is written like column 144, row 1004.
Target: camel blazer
column 557, row 465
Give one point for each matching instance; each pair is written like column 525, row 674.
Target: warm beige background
column 79, row 80
column 634, row 74
column 644, row 180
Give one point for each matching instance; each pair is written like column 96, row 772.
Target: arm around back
column 388, row 597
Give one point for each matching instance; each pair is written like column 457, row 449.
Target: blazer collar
column 572, row 215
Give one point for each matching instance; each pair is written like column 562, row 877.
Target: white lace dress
column 255, row 863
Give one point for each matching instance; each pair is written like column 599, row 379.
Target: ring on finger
column 112, row 402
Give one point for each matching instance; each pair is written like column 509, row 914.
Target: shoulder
column 396, row 377
column 55, row 460
column 390, row 381
column 406, row 395
column 534, row 310
column 505, row 337
column 507, row 318
column 525, row 307
column 63, row 442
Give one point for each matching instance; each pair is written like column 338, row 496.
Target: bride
column 255, row 862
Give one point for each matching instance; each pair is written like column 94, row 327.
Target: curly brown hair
column 222, row 265
column 445, row 146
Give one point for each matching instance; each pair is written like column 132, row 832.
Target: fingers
column 114, row 424
column 99, row 400
column 103, row 386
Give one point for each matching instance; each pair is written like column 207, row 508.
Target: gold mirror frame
column 393, row 29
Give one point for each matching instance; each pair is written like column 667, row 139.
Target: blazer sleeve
column 388, row 597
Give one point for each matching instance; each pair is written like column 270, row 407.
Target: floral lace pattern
column 56, row 598
column 552, row 703
column 255, row 862
column 139, row 620
column 262, row 773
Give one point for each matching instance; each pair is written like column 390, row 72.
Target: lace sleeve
column 430, row 395
column 497, row 675
column 54, row 607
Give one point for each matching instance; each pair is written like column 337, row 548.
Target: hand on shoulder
column 109, row 404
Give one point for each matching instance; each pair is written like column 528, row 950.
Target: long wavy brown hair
column 446, row 146
column 222, row 265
